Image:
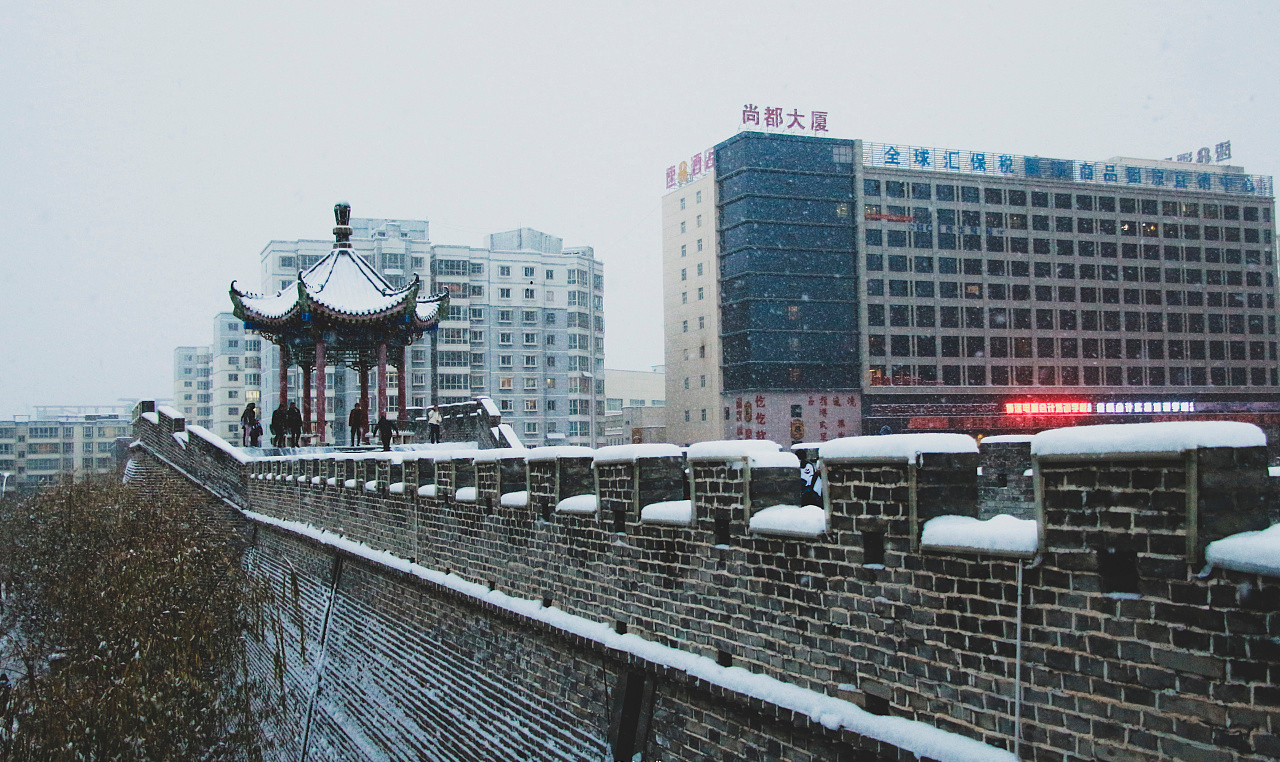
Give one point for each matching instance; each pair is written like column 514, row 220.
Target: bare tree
column 123, row 616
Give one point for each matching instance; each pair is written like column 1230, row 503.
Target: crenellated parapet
column 1101, row 628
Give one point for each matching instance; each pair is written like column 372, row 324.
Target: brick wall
column 1181, row 668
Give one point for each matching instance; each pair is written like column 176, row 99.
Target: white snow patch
column 896, row 447
column 1248, row 552
column 543, row 454
column 349, row 484
column 790, row 520
column 427, row 490
column 332, row 481
column 668, row 512
column 1167, row 436
column 465, row 495
column 497, row 454
column 489, row 408
column 1273, row 470
column 219, row 443
column 181, row 437
column 316, row 479
column 396, row 489
column 630, row 453
column 371, row 485
column 577, row 504
column 919, row 738
column 1003, row 533
column 514, row 499
column 735, row 449
column 153, row 417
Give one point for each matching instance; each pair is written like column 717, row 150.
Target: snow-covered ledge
column 1002, row 535
column 1257, row 552
column 679, row 512
column 904, row 448
column 789, row 520
column 1164, row 439
column 577, row 504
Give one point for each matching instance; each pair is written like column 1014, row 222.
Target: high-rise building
column 867, row 287
column 691, row 314
column 525, row 326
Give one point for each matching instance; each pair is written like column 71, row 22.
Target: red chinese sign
column 699, row 164
column 776, row 119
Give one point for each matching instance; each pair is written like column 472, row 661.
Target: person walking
column 279, row 426
column 255, row 434
column 248, row 419
column 384, row 430
column 434, row 419
column 295, row 424
column 358, row 422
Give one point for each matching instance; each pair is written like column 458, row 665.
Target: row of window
column 971, row 194
column 1020, row 318
column 925, row 289
column 684, row 272
column 974, row 240
column 995, row 223
column 684, row 248
column 1070, row 375
column 902, row 345
column 697, row 200
column 920, row 263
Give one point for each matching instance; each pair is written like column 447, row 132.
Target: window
column 684, row 227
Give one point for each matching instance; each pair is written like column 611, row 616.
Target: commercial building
column 43, row 449
column 691, row 314
column 866, row 287
column 635, row 406
column 525, row 326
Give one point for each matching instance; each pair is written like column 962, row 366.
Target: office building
column 869, row 287
column 691, row 314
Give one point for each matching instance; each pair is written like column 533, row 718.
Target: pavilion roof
column 342, row 287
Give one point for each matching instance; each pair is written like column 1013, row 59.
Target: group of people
column 286, row 426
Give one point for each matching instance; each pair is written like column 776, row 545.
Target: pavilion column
column 364, row 388
column 319, row 438
column 306, row 399
column 382, row 379
column 284, row 376
column 402, row 385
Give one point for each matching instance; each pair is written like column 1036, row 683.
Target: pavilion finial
column 342, row 233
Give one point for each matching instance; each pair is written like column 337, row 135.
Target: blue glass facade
column 788, row 263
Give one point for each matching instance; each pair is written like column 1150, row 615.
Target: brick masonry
column 1128, row 652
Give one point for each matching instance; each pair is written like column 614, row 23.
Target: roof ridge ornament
column 342, row 233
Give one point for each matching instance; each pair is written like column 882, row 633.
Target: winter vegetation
column 122, row 619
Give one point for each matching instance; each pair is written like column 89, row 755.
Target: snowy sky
column 148, row 151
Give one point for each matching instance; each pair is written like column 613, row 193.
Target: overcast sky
column 148, row 151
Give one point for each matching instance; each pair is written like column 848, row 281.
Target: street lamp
column 4, row 481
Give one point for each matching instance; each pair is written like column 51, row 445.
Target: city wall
column 1113, row 640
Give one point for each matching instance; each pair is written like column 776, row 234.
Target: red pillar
column 382, row 380
column 402, row 386
column 306, row 399
column 319, row 438
column 284, row 376
column 364, row 388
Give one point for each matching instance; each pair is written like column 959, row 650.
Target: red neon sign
column 1047, row 408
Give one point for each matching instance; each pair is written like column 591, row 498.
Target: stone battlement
column 1102, row 636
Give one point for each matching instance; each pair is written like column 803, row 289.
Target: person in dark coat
column 357, row 421
column 255, row 434
column 385, row 430
column 811, row 478
column 295, row 424
column 279, row 426
column 247, row 420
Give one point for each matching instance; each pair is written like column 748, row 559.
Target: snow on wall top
column 490, row 408
column 730, row 449
column 497, row 454
column 166, row 410
column 219, row 443
column 896, row 447
column 1169, row 436
column 543, row 454
column 1257, row 552
column 629, row 453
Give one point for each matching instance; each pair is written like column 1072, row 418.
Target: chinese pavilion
column 342, row 311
